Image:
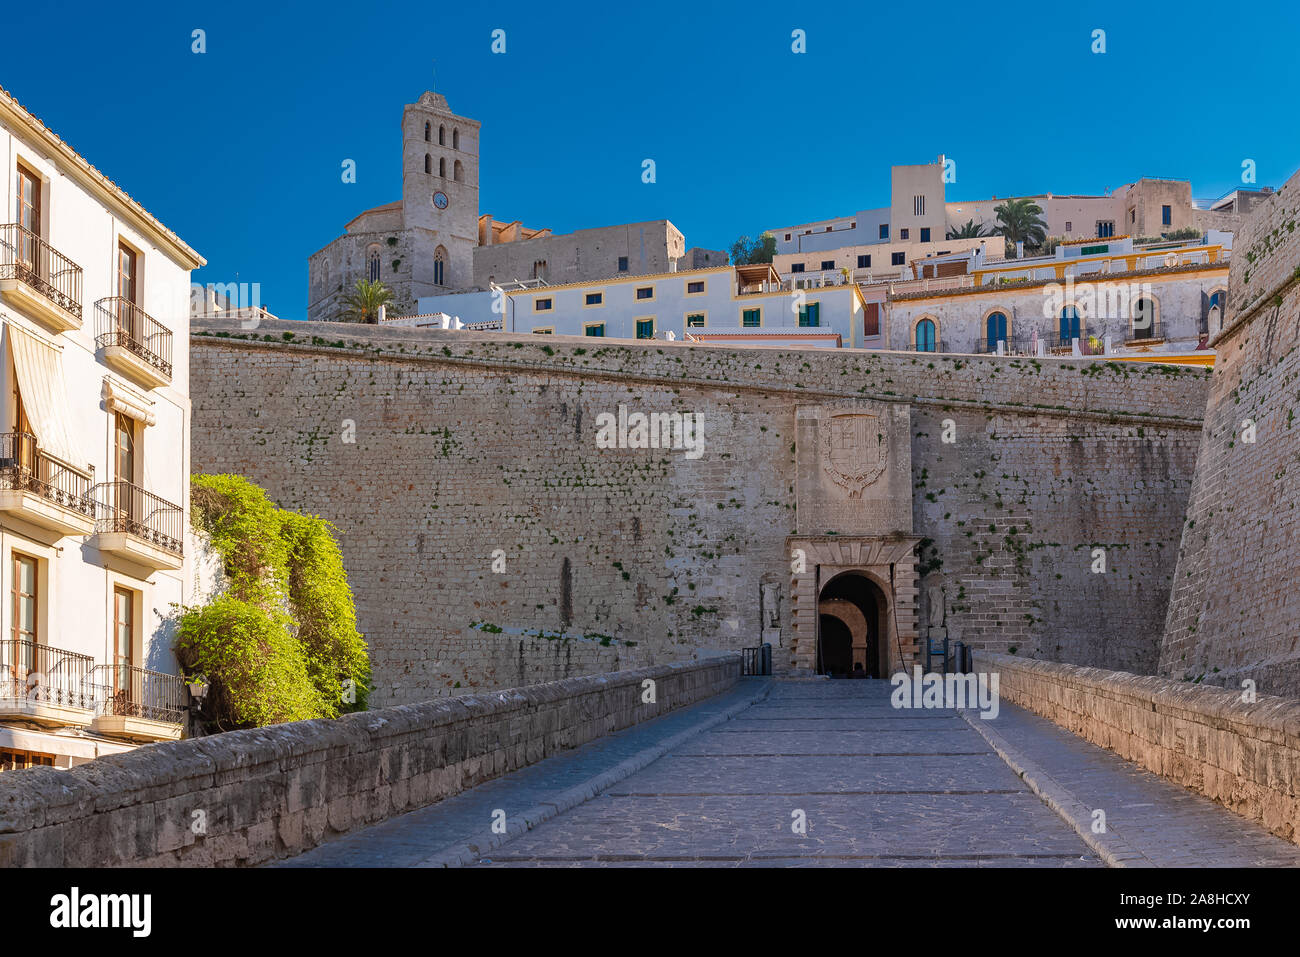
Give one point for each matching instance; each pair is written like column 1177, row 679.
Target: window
column 455, row 139
column 1070, row 326
column 1105, row 228
column 884, row 230
column 898, row 259
column 1132, row 215
column 695, row 321
column 810, row 314
column 440, row 267
column 29, row 218
column 126, row 273
column 787, row 237
column 871, row 320
column 828, row 263
column 539, row 269
column 372, row 264
column 427, row 131
column 622, row 264
column 925, row 336
column 904, row 234
column 645, row 292
column 541, row 305
column 123, row 636
column 995, row 329
column 1167, row 215
column 594, row 298
column 442, row 166
column 544, row 331
column 796, row 267
column 594, row 329
column 1144, row 319
column 645, row 328
column 695, row 287
column 428, row 164
column 124, row 447
column 918, row 205
column 14, row 759
column 1069, row 226
column 751, row 318
column 24, row 594
column 925, row 234
column 442, row 136
column 864, row 262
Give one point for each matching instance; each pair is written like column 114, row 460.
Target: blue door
column 1069, row 324
column 996, row 329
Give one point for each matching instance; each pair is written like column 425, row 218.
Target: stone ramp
column 716, row 785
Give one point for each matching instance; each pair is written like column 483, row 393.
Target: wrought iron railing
column 927, row 347
column 140, row 693
column 120, row 322
column 26, row 257
column 39, row 673
column 1145, row 331
column 126, row 507
column 757, row 661
column 23, row 466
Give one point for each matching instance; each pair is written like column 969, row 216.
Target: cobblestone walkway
column 875, row 786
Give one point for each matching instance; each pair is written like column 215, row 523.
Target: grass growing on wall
column 281, row 642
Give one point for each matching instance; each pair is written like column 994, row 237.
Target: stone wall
column 246, row 797
column 1235, row 614
column 462, row 472
column 1244, row 756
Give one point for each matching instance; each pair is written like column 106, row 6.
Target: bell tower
column 440, row 194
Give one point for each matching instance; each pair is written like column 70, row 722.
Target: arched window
column 455, row 139
column 1144, row 319
column 372, row 264
column 442, row 136
column 442, row 166
column 428, row 163
column 459, row 172
column 925, row 336
column 995, row 329
column 1213, row 320
column 440, row 267
column 1070, row 327
column 428, row 131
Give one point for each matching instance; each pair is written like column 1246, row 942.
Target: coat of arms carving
column 855, row 450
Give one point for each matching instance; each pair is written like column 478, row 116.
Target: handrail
column 122, row 323
column 28, row 258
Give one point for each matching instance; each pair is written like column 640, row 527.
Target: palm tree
column 968, row 230
column 364, row 301
column 1020, row 221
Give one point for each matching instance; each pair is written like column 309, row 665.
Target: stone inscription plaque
column 854, row 469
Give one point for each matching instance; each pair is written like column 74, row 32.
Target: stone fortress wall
column 439, row 453
column 1235, row 611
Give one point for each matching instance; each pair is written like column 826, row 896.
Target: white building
column 94, row 456
column 748, row 304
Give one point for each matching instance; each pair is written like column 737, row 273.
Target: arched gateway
column 853, row 587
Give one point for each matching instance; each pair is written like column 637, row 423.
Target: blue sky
column 239, row 149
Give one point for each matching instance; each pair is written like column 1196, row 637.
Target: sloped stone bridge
column 690, row 764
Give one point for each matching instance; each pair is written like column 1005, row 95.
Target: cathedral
column 423, row 244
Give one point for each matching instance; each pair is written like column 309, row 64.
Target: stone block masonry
column 246, row 797
column 1245, row 756
column 444, row 456
column 1234, row 614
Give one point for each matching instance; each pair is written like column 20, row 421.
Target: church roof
column 374, row 209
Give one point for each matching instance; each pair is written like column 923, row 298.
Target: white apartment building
column 736, row 304
column 94, row 456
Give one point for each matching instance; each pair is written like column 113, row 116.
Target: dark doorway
column 841, row 652
column 837, row 647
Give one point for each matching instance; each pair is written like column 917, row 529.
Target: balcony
column 138, row 525
column 1149, row 332
column 41, row 490
column 44, row 685
column 38, row 279
column 138, row 704
column 133, row 342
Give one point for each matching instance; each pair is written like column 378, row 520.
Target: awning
column 45, row 395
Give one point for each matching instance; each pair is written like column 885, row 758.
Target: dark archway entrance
column 851, row 620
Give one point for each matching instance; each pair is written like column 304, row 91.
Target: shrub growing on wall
column 281, row 642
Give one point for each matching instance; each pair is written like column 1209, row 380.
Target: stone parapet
column 1245, row 756
column 246, row 797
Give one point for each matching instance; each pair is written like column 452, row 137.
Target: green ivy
column 281, row 642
